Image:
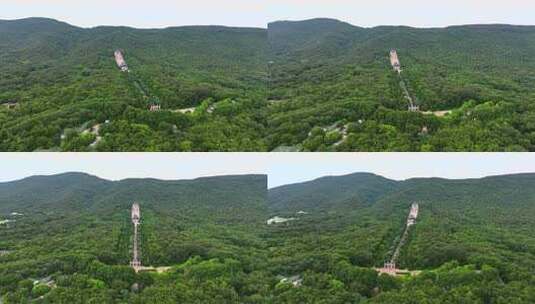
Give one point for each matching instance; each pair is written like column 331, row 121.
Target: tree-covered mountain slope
column 229, row 240
column 472, row 241
column 332, row 87
column 64, row 81
column 72, row 233
column 331, row 192
column 311, row 85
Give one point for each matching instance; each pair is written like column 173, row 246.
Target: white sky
column 418, row 13
column 282, row 168
column 299, row 167
column 116, row 166
column 257, row 13
column 141, row 13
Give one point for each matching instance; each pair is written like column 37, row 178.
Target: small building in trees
column 413, row 214
column 136, row 213
column 119, row 59
column 10, row 104
column 155, row 107
column 413, row 108
column 394, row 61
column 388, row 268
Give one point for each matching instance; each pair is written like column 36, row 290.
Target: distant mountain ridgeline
column 301, row 40
column 367, row 197
column 328, row 193
column 78, row 192
column 169, row 59
column 331, row 192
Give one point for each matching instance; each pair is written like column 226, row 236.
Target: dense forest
column 70, row 240
column 68, row 93
column 332, row 87
column 473, row 241
column 315, row 85
column 67, row 239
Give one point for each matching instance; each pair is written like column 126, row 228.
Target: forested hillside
column 69, row 94
column 68, row 239
column 315, row 85
column 332, row 192
column 473, row 240
column 332, row 87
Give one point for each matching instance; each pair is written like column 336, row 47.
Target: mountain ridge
column 341, row 22
column 80, row 173
column 492, row 176
column 72, row 192
column 45, row 20
column 363, row 189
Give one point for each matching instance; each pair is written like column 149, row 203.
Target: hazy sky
column 418, row 13
column 282, row 168
column 141, row 13
column 299, row 167
column 117, row 166
column 257, row 13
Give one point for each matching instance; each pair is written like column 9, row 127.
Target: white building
column 394, row 61
column 136, row 213
column 413, row 214
column 119, row 59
